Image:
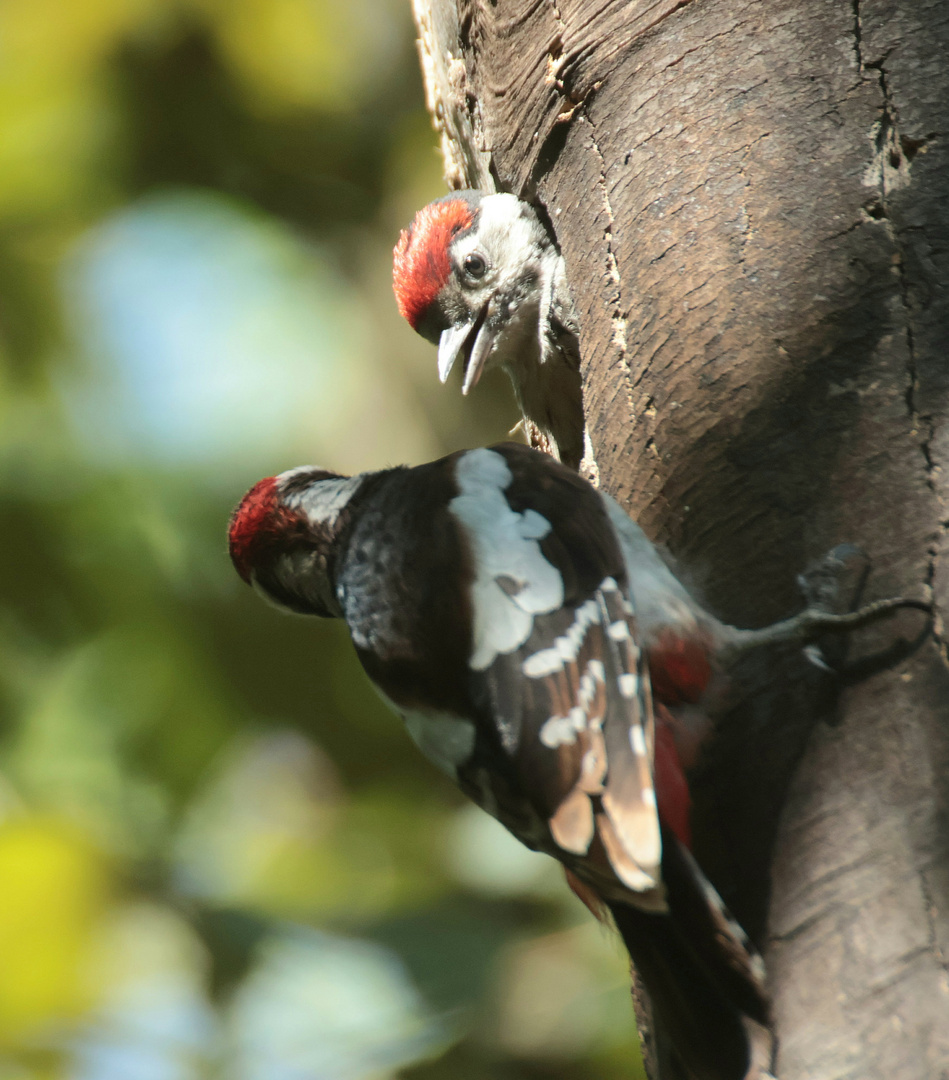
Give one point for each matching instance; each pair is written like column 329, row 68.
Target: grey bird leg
column 811, row 624
column 844, row 568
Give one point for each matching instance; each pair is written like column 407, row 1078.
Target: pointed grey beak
column 450, row 345
column 480, row 351
column 473, row 338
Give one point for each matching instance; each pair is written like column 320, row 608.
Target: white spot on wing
column 544, row 662
column 637, row 741
column 566, row 647
column 586, row 692
column 618, row 631
column 503, row 542
column 628, row 684
column 562, row 730
column 577, row 717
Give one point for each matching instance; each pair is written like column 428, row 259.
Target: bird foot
column 833, row 587
column 836, row 581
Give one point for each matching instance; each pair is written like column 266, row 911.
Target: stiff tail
column 703, row 975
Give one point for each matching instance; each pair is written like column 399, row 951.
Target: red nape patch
column 420, row 264
column 679, row 668
column 672, row 789
column 253, row 520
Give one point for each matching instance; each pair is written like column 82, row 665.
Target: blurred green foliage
column 220, row 857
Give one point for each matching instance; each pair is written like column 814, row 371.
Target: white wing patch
column 504, row 545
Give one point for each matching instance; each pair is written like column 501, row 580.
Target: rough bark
column 752, row 198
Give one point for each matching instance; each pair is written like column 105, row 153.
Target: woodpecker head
column 282, row 537
column 470, row 273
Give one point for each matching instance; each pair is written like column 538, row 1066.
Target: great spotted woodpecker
column 536, row 646
column 480, row 276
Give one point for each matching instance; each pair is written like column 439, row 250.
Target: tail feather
column 703, row 975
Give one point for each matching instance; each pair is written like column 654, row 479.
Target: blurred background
column 219, row 855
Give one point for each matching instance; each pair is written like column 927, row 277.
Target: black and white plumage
column 536, row 646
column 479, row 275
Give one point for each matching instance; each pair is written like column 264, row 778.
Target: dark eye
column 475, row 265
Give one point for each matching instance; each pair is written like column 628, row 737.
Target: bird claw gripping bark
column 810, row 624
column 837, row 582
column 834, row 582
column 817, row 621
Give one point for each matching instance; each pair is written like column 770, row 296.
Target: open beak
column 472, row 338
column 450, row 344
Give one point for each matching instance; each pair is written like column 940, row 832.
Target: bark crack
column 617, row 316
column 665, row 15
column 929, row 902
column 746, row 227
column 704, row 45
column 889, row 172
column 815, row 918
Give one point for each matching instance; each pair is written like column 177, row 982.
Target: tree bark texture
column 752, row 198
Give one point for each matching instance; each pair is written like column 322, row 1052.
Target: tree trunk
column 752, row 198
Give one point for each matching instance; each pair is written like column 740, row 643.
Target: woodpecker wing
column 556, row 667
column 572, row 708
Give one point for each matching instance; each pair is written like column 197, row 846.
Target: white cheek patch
column 322, row 502
column 504, row 546
column 505, row 236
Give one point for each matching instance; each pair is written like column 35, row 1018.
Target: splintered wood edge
column 445, row 77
